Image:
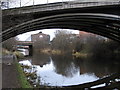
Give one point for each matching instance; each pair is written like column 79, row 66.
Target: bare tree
column 63, row 41
column 8, row 44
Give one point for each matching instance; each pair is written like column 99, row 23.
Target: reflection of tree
column 64, row 65
column 99, row 67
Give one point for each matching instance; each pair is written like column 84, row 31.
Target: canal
column 66, row 70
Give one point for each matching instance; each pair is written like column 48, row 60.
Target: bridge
column 101, row 18
column 26, row 45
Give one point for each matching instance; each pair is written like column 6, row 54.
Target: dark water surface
column 66, row 70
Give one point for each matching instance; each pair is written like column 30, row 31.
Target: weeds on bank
column 22, row 79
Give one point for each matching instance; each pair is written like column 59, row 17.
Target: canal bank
column 12, row 74
column 21, row 77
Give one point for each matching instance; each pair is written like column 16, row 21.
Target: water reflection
column 49, row 76
column 98, row 67
column 65, row 65
column 40, row 59
column 66, row 70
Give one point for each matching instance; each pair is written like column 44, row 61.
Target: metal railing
column 55, row 6
column 68, row 4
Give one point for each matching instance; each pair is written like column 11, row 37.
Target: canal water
column 59, row 70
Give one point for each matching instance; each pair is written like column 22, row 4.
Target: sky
column 30, row 2
column 23, row 37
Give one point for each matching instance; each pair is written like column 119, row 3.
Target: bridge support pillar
column 30, row 50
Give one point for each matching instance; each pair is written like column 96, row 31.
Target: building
column 84, row 36
column 40, row 37
column 40, row 40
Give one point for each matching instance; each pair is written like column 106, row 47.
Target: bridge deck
column 25, row 43
column 54, row 6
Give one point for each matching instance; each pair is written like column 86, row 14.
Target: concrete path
column 9, row 76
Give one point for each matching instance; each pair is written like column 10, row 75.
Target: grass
column 5, row 52
column 45, row 51
column 18, row 54
column 21, row 77
column 78, row 54
column 54, row 52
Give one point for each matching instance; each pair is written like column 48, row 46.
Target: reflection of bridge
column 25, row 45
column 97, row 17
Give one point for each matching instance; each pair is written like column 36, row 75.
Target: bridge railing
column 86, row 4
column 21, row 3
column 55, row 6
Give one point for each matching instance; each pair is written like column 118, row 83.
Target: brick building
column 40, row 37
column 84, row 36
column 40, row 40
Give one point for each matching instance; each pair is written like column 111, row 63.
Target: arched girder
column 77, row 21
column 24, row 14
column 80, row 21
column 68, row 26
column 74, row 15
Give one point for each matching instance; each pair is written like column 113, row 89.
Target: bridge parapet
column 53, row 6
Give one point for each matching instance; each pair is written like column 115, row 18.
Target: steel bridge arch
column 102, row 24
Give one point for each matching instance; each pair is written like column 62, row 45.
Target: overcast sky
column 16, row 3
column 23, row 37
